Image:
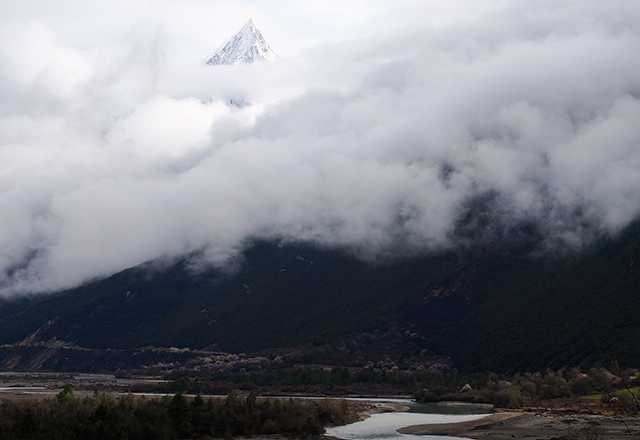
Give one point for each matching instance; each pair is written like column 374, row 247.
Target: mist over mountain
column 496, row 308
column 422, row 138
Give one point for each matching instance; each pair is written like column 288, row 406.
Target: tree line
column 104, row 416
column 505, row 391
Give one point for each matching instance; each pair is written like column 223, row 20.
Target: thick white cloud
column 114, row 155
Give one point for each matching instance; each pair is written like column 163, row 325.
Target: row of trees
column 103, row 416
column 533, row 388
column 502, row 391
column 326, row 381
column 425, row 386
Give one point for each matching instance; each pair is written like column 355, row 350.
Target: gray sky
column 378, row 124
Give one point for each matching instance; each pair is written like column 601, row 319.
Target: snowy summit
column 246, row 46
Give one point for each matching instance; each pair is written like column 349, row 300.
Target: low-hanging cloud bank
column 114, row 157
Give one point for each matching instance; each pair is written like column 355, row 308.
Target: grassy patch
column 622, row 395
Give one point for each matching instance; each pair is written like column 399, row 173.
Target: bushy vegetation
column 503, row 391
column 103, row 416
column 324, row 381
column 336, row 377
column 531, row 389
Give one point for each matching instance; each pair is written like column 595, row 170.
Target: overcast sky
column 375, row 128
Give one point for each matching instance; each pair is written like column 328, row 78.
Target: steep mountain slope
column 280, row 296
column 245, row 46
column 495, row 308
column 518, row 313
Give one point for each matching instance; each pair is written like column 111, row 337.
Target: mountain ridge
column 245, row 47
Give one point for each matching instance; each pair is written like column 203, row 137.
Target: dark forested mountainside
column 509, row 312
column 281, row 296
column 494, row 308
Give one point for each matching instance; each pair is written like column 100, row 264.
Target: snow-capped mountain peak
column 246, row 46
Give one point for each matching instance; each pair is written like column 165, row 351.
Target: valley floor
column 561, row 420
column 39, row 385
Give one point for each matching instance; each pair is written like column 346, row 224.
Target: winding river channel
column 385, row 425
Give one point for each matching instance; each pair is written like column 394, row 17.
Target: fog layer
column 113, row 156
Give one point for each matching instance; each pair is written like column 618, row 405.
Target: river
column 384, row 425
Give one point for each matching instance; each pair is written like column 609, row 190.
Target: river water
column 384, row 425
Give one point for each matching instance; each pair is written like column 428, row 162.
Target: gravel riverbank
column 544, row 425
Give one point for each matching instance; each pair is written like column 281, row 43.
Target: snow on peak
column 246, row 46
